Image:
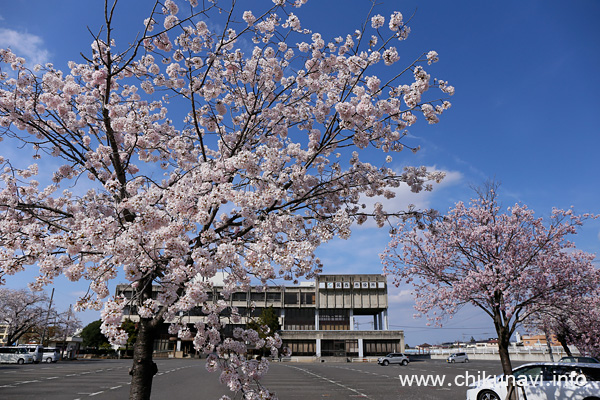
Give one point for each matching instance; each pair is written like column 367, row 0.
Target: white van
column 13, row 354
column 51, row 355
column 35, row 350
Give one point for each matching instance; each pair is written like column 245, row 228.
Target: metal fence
column 556, row 350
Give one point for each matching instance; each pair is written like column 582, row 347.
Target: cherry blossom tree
column 584, row 327
column 65, row 324
column 200, row 147
column 22, row 311
column 511, row 265
column 574, row 321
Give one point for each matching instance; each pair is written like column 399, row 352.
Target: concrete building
column 3, row 334
column 317, row 318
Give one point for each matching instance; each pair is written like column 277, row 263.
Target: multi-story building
column 3, row 334
column 317, row 318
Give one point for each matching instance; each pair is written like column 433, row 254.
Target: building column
column 318, row 348
column 375, row 322
column 351, row 319
column 380, row 321
column 317, row 321
column 360, row 349
column 385, row 321
column 282, row 319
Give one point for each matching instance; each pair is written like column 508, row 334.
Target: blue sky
column 525, row 111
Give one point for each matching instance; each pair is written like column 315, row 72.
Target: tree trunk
column 549, row 345
column 563, row 342
column 143, row 370
column 503, row 345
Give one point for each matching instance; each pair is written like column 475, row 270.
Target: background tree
column 267, row 325
column 510, row 265
column 92, row 335
column 23, row 312
column 130, row 328
column 55, row 326
column 67, row 324
column 574, row 321
column 183, row 152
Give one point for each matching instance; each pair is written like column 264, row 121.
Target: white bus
column 36, row 351
column 13, row 354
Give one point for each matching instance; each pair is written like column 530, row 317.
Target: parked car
column 51, row 355
column 580, row 359
column 543, row 381
column 458, row 357
column 14, row 354
column 36, row 351
column 393, row 358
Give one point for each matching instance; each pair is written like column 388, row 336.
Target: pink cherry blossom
column 510, row 264
column 186, row 153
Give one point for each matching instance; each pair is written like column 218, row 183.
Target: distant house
column 69, row 349
column 423, row 348
column 538, row 340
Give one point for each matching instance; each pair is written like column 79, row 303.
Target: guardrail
column 365, row 359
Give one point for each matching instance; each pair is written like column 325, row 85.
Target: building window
column 299, row 319
column 273, row 297
column 300, row 347
column 380, row 347
column 239, row 296
column 307, row 298
column 254, row 296
column 334, row 320
column 291, row 298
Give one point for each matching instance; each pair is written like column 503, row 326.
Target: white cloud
column 404, row 197
column 26, row 45
column 398, row 296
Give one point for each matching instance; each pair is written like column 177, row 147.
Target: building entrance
column 339, row 348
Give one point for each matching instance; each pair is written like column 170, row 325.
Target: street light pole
column 66, row 333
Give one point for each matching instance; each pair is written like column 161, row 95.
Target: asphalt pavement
column 188, row 379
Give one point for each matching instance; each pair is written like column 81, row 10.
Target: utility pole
column 66, row 333
column 47, row 318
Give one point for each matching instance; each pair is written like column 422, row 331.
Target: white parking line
column 359, row 394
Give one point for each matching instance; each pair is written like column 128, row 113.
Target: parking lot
column 188, row 378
